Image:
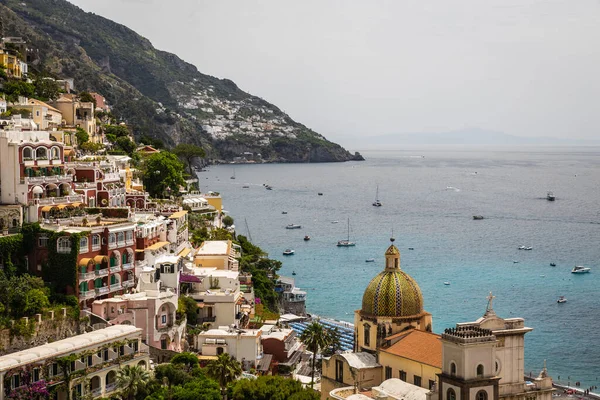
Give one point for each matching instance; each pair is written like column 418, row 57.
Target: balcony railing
column 90, row 294
column 127, row 266
column 102, row 290
column 102, row 272
column 84, row 276
column 110, row 387
column 128, row 283
column 97, row 392
column 48, row 179
column 57, row 200
column 115, row 286
column 115, row 269
column 207, row 319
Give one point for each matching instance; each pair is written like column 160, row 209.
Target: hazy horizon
column 349, row 68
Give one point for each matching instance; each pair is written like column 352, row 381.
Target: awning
column 99, row 259
column 61, row 206
column 156, row 246
column 84, row 262
column 200, row 357
column 76, row 204
column 47, row 208
column 264, row 363
column 69, row 152
column 184, row 252
column 178, row 214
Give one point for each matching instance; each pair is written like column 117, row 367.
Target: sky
column 350, row 68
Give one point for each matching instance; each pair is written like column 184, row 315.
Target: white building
column 243, row 345
column 102, row 353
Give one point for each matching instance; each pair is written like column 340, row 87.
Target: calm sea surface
column 429, row 203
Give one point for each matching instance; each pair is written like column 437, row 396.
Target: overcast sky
column 348, row 67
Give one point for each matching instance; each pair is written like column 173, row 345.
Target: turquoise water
column 429, row 203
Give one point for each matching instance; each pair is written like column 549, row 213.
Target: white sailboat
column 233, row 176
column 377, row 203
column 346, row 242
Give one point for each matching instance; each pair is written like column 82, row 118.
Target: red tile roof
column 416, row 345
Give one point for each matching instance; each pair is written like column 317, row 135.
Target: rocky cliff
column 156, row 92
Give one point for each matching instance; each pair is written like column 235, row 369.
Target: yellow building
column 44, row 115
column 12, row 64
column 413, row 356
column 219, row 254
column 392, row 302
column 358, row 370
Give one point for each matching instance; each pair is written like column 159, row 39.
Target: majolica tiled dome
column 392, row 293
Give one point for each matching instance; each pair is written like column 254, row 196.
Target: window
column 367, row 338
column 163, row 345
column 121, row 351
column 417, row 380
column 36, row 374
column 27, row 154
column 43, row 241
column 63, row 245
column 16, row 381
column 135, row 346
column 129, row 236
column 105, row 355
column 95, row 241
column 388, row 372
column 339, row 371
column 40, row 152
column 55, row 153
column 481, row 395
column 112, row 239
column 452, row 369
column 497, row 367
column 480, row 371
column 403, row 375
column 431, row 384
column 90, row 361
column 164, row 319
column 53, row 370
column 83, row 245
column 120, row 237
column 450, row 394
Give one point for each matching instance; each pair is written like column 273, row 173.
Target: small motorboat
column 447, row 283
column 580, row 270
column 411, row 248
column 306, row 238
column 528, row 248
column 521, row 247
column 320, row 194
column 370, row 260
column 288, row 252
column 268, row 187
column 550, row 196
column 477, row 217
column 515, row 262
column 561, row 299
column 553, row 264
column 293, row 226
column 334, row 222
column 293, row 272
column 245, row 187
column 284, row 212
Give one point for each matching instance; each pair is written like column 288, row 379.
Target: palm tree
column 315, row 337
column 224, row 370
column 333, row 342
column 131, row 379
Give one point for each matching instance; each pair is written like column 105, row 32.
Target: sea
column 429, row 197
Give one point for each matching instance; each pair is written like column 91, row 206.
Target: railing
column 207, row 319
column 111, row 176
column 87, row 295
column 114, row 269
column 102, row 272
column 47, row 179
column 84, row 276
column 115, row 286
column 128, row 283
column 110, row 387
column 102, row 290
column 56, row 200
column 127, row 266
column 96, row 392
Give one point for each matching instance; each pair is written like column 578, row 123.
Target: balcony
column 57, row 200
column 115, row 287
column 110, row 387
column 90, row 294
column 115, row 269
column 47, row 179
column 141, row 264
column 111, row 176
column 102, row 272
column 86, row 276
column 206, row 319
column 127, row 266
column 102, row 290
column 128, row 283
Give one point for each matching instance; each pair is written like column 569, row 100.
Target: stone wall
column 41, row 329
column 161, row 356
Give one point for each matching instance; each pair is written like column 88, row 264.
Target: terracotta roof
column 423, row 347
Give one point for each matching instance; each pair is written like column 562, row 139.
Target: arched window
column 452, row 369
column 83, row 245
column 112, row 239
column 481, row 395
column 27, row 154
column 367, row 334
column 63, row 245
column 95, row 241
column 480, row 371
column 450, row 394
column 41, row 153
column 55, row 153
column 219, row 350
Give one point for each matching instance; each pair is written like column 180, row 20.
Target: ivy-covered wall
column 60, row 270
column 12, row 254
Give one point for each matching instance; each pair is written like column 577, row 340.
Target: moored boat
column 477, row 217
column 346, row 242
column 306, row 238
column 561, row 299
column 288, row 252
column 550, row 196
column 579, row 269
column 293, row 226
column 370, row 260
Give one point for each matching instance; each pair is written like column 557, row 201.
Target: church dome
column 392, row 293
